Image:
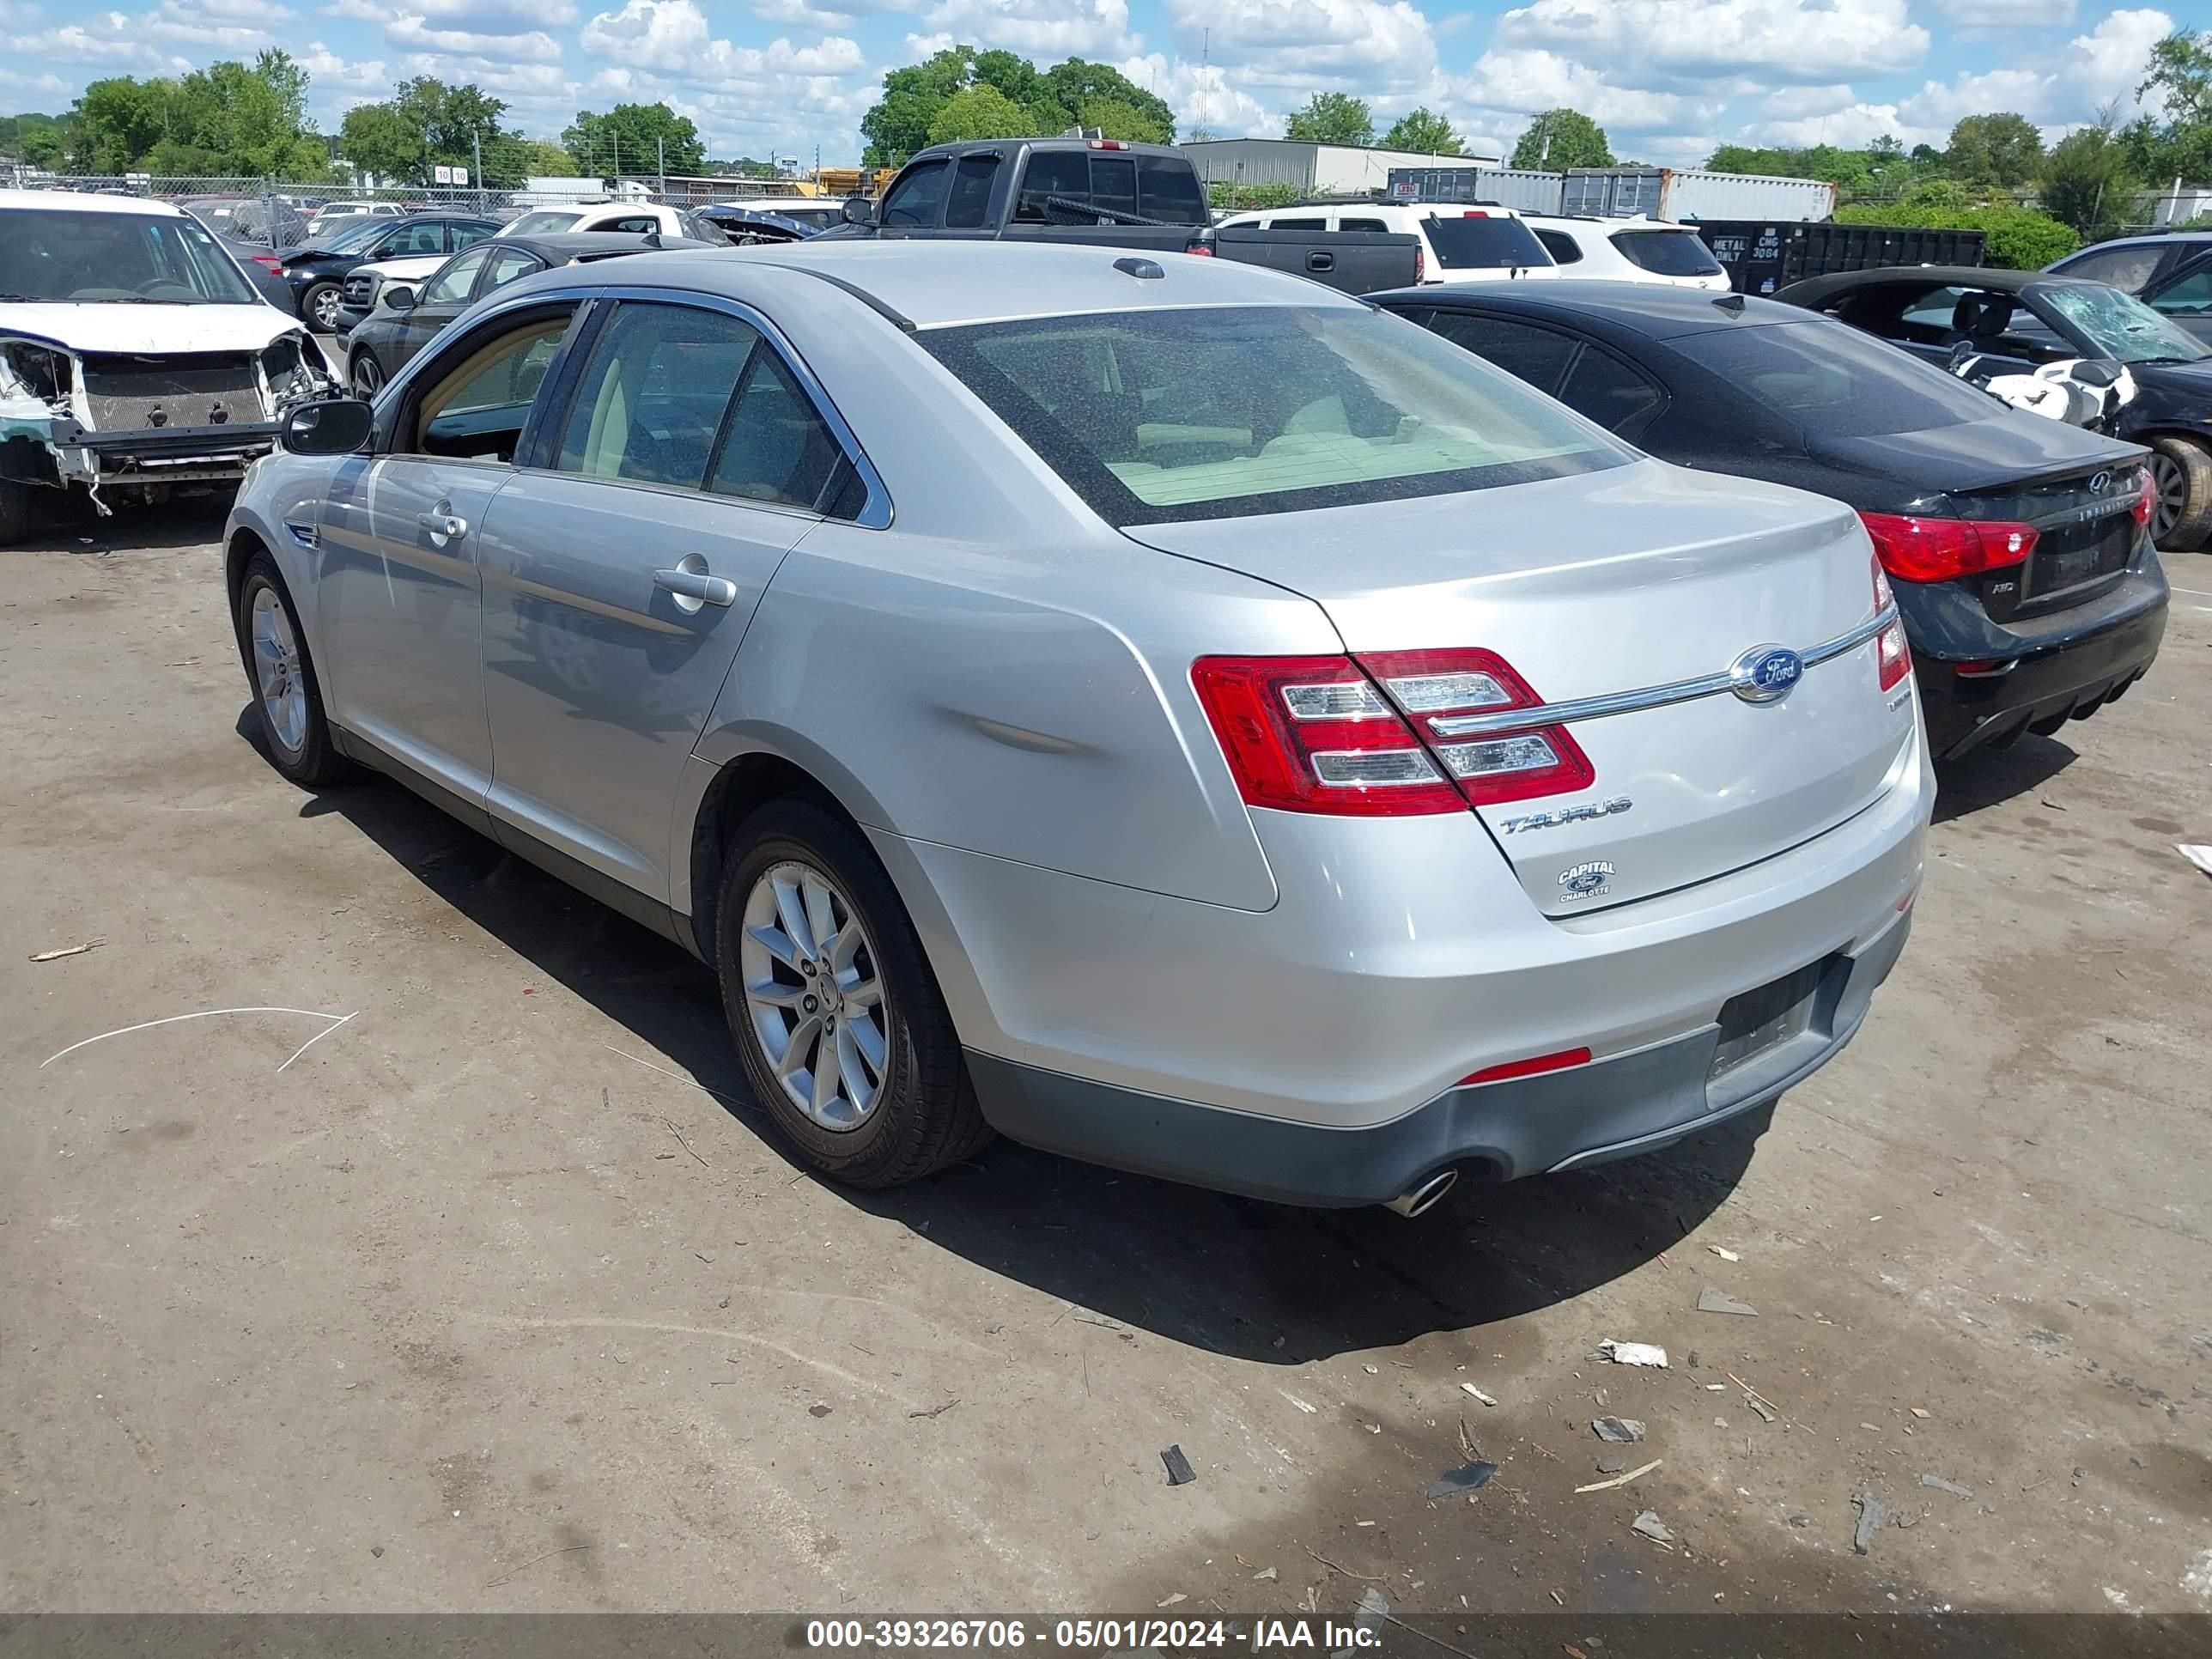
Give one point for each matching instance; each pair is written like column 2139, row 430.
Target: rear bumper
column 2067, row 667
column 1616, row 1108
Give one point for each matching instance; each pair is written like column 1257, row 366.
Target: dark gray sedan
column 388, row 339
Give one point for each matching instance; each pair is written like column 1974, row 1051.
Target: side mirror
column 400, row 299
column 338, row 426
column 2099, row 372
column 859, row 210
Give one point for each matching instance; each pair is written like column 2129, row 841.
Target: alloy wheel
column 814, row 995
column 276, row 672
column 2170, row 484
column 326, row 309
column 367, row 375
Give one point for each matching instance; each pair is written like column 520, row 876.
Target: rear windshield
column 1232, row 412
column 1485, row 244
column 1830, row 378
column 545, row 222
column 1668, row 252
column 1057, row 186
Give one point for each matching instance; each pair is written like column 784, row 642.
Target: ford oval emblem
column 1766, row 673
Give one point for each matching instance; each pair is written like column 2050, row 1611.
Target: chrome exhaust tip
column 1416, row 1199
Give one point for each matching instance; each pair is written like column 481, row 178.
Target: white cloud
column 328, row 72
column 1525, row 83
column 1040, row 28
column 113, row 43
column 1851, row 127
column 1374, row 48
column 1201, row 96
column 672, row 37
column 2005, row 13
column 413, row 33
column 2062, row 90
column 799, row 14
column 495, row 16
column 1808, row 40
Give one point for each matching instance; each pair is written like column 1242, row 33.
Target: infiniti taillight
column 1396, row 733
column 1892, row 656
column 1915, row 549
column 2146, row 499
column 269, row 262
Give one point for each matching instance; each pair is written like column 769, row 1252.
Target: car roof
column 933, row 284
column 1657, row 311
column 71, row 202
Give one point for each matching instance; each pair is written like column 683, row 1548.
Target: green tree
column 901, row 120
column 634, row 137
column 1116, row 118
column 385, row 141
column 1332, row 118
column 2086, row 180
column 227, row 118
column 424, row 124
column 1221, row 193
column 2179, row 145
column 1562, row 138
column 979, row 112
column 897, row 124
column 1425, row 133
column 1077, row 85
column 119, row 120
column 510, row 158
column 2002, row 149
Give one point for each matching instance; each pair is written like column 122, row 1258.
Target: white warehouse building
column 1311, row 169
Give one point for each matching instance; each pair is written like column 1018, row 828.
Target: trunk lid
column 2086, row 535
column 1640, row 577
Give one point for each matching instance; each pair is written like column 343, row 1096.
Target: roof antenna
column 652, row 239
column 1731, row 302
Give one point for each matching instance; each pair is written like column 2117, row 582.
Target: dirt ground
column 497, row 1297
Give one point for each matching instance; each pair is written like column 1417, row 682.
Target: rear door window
column 774, row 446
column 650, row 402
column 507, row 265
column 1609, row 390
column 1297, row 224
column 1563, row 248
column 411, row 240
column 1362, row 224
column 1061, row 173
column 917, row 200
column 637, row 225
column 1167, row 190
column 2192, row 296
column 1538, row 355
column 972, row 181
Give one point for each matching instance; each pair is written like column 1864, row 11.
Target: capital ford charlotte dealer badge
column 1586, row 880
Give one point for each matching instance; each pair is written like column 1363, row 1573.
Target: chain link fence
column 277, row 213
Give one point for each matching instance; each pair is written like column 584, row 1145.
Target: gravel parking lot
column 497, row 1297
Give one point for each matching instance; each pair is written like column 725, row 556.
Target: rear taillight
column 270, row 262
column 1421, row 264
column 1534, row 1066
column 1204, row 249
column 1109, row 143
column 1892, row 656
column 2146, row 499
column 1941, row 549
column 1377, row 737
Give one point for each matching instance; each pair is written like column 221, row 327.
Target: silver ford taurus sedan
column 1165, row 711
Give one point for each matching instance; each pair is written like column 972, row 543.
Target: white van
column 1458, row 244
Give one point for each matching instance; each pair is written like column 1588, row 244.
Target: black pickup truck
column 1107, row 192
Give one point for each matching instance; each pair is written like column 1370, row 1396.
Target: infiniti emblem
column 1766, row 673
column 2101, row 483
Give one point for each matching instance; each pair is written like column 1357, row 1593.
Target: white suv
column 1457, row 244
column 1629, row 250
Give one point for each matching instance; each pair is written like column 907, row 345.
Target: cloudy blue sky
column 1667, row 78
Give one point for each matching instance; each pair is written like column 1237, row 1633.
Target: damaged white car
column 135, row 356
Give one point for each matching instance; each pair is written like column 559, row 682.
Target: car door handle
column 697, row 587
column 443, row 526
column 1321, row 259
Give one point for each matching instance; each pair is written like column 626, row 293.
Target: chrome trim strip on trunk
column 1656, row 696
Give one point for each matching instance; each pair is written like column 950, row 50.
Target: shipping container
column 1685, row 194
column 1763, row 255
column 1530, row 191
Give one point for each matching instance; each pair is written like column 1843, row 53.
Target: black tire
column 365, row 374
column 314, row 760
column 2181, row 468
column 318, row 298
column 925, row 1116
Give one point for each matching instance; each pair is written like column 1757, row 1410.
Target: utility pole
column 660, row 154
column 1205, row 65
column 478, row 135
